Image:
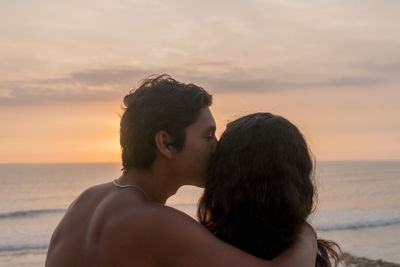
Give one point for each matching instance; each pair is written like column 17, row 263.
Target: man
column 167, row 136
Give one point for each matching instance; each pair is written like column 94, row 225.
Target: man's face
column 200, row 142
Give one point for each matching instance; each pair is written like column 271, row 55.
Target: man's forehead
column 205, row 119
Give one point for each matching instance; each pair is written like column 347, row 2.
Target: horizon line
column 118, row 162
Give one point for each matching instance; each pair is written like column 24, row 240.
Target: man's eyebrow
column 212, row 128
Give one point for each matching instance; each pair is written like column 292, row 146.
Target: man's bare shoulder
column 149, row 216
column 150, row 231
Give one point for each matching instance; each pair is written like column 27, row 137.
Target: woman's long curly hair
column 260, row 188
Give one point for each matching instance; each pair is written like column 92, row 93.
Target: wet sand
column 351, row 261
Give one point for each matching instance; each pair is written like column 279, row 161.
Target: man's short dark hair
column 160, row 103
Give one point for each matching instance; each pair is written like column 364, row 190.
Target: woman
column 260, row 189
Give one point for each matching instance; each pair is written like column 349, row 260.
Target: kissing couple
column 258, row 191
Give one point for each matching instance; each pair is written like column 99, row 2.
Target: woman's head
column 260, row 189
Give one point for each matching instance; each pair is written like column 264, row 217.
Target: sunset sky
column 331, row 67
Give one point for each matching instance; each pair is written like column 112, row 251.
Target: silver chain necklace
column 131, row 186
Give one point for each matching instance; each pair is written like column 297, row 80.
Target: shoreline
column 25, row 256
column 350, row 260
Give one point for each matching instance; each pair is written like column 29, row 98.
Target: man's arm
column 174, row 239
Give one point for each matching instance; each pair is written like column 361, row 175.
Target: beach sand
column 36, row 258
column 351, row 261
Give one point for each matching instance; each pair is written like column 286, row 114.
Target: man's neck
column 157, row 185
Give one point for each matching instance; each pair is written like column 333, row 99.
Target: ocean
column 358, row 205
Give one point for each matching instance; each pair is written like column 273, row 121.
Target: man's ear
column 164, row 143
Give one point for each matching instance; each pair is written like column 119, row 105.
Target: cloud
column 256, row 46
column 349, row 81
column 115, row 82
column 5, row 93
column 269, row 85
column 85, row 85
column 33, row 94
column 386, row 68
column 102, row 77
